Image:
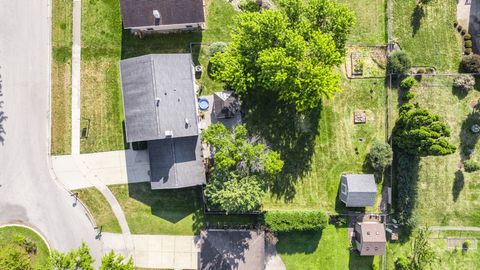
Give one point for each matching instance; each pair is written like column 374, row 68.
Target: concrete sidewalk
column 76, row 51
column 115, row 167
column 158, row 251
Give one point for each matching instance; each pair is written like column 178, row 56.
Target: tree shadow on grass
column 458, row 185
column 284, row 130
column 357, row 262
column 416, row 19
column 171, row 205
column 468, row 139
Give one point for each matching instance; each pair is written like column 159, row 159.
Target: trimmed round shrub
column 216, row 47
column 459, row 28
column 467, row 36
column 464, row 31
column 464, row 82
column 402, row 263
column 430, row 70
column 455, row 23
column 399, row 62
column 471, row 63
column 408, row 83
column 468, row 44
column 468, row 51
column 420, row 71
column 408, row 96
column 467, row 244
column 380, row 156
column 471, row 166
column 286, row 221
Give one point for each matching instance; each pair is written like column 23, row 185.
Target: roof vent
column 156, row 15
column 168, row 133
column 187, row 122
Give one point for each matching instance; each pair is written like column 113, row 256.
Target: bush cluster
column 216, row 47
column 399, row 62
column 421, row 71
column 467, row 37
column 380, row 156
column 286, row 221
column 406, row 176
column 408, row 96
column 468, row 51
column 408, row 83
column 468, row 44
column 471, row 166
column 464, row 82
column 471, row 63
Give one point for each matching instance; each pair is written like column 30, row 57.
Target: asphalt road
column 28, row 192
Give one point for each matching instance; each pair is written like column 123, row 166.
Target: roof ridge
column 155, row 93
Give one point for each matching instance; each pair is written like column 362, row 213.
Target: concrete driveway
column 28, row 193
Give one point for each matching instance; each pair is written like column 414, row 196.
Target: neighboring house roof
column 176, row 163
column 373, row 238
column 361, row 190
column 159, row 97
column 232, row 249
column 139, row 13
column 225, row 104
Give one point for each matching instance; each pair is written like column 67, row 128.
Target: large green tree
column 287, row 53
column 241, row 169
column 421, row 133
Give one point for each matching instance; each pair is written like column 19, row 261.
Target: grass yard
column 340, row 146
column 173, row 212
column 448, row 195
column 326, row 249
column 7, row 237
column 427, row 34
column 100, row 209
column 448, row 259
column 61, row 76
column 370, row 28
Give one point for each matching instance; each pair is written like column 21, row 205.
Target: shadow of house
column 286, row 131
column 232, row 250
column 474, row 25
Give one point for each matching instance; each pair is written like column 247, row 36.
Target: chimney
column 156, row 15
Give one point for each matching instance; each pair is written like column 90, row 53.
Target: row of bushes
column 406, row 175
column 286, row 221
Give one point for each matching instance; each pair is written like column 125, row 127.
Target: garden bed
column 366, row 61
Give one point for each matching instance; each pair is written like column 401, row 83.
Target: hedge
column 286, row 221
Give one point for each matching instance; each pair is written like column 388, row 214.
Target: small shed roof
column 225, row 104
column 232, row 250
column 139, row 13
column 361, row 183
column 159, row 97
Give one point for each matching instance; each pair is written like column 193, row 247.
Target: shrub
column 402, row 263
column 471, row 166
column 408, row 83
column 464, row 31
column 380, row 156
column 455, row 23
column 471, row 63
column 464, row 82
column 26, row 244
column 467, row 37
column 466, row 244
column 249, row 5
column 420, row 71
column 468, row 44
column 399, row 62
column 216, row 47
column 285, row 221
column 430, row 70
column 408, row 96
column 459, row 28
column 468, row 51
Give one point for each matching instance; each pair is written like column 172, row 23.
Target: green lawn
column 427, row 34
column 61, row 76
column 100, row 209
column 173, row 212
column 326, row 249
column 339, row 146
column 448, row 259
column 447, row 195
column 7, row 237
column 370, row 28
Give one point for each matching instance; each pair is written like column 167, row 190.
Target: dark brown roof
column 137, row 13
column 373, row 238
column 225, row 104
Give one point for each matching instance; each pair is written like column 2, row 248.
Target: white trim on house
column 168, row 27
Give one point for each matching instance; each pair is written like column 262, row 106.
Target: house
column 225, row 104
column 358, row 190
column 162, row 15
column 232, row 250
column 160, row 108
column 370, row 238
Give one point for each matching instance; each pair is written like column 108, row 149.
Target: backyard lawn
column 61, row 76
column 446, row 194
column 370, row 28
column 100, row 209
column 338, row 146
column 428, row 34
column 326, row 249
column 8, row 235
column 171, row 212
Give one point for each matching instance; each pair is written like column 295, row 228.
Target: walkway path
column 115, row 167
column 453, row 228
column 76, row 49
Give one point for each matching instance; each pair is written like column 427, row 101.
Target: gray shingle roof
column 232, row 250
column 138, row 13
column 361, row 183
column 361, row 190
column 176, row 163
column 159, row 97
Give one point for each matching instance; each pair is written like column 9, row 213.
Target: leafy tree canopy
column 111, row 261
column 240, row 170
column 419, row 132
column 380, row 156
column 289, row 53
column 13, row 257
